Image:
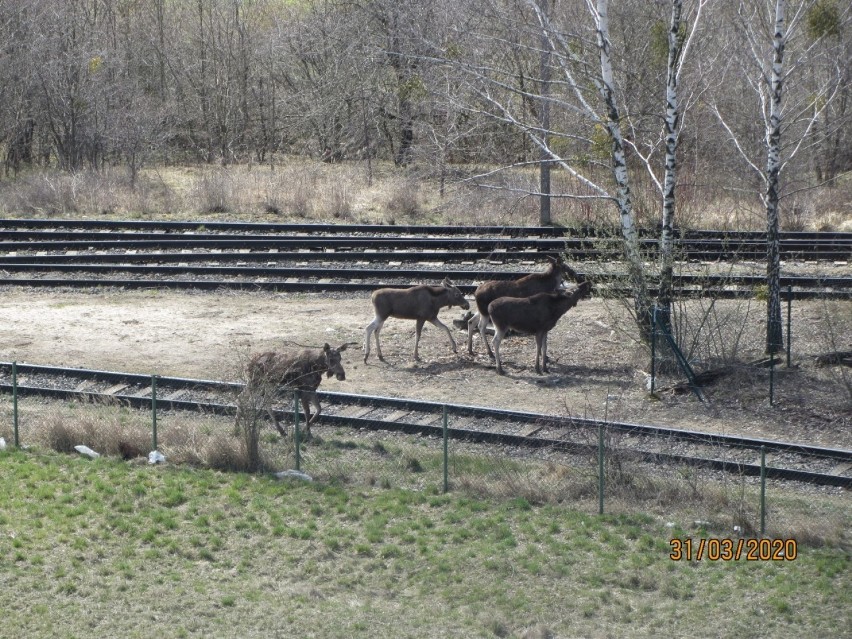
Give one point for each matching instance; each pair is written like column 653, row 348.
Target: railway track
column 311, row 257
column 511, row 429
column 584, row 243
column 577, row 248
column 18, row 226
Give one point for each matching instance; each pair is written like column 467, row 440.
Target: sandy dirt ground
column 597, row 370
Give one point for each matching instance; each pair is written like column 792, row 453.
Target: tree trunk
column 544, row 156
column 636, row 275
column 774, row 336
column 672, row 125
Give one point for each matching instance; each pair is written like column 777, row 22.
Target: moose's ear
column 552, row 259
column 343, row 348
column 447, row 282
column 326, row 348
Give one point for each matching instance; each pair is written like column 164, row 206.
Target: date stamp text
column 725, row 549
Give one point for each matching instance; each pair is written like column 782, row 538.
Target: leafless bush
column 290, row 190
column 835, row 329
column 214, row 191
column 338, row 203
column 403, row 199
column 712, row 331
column 48, row 194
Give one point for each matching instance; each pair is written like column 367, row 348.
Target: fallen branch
column 842, row 358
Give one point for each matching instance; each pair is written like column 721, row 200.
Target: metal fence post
column 653, row 347
column 600, row 469
column 15, row 402
column 296, row 429
column 789, row 320
column 154, row 411
column 446, row 460
column 762, row 490
column 771, row 378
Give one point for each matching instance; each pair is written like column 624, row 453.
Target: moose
column 420, row 303
column 270, row 371
column 544, row 282
column 536, row 314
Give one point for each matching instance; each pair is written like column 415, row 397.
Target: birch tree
column 679, row 37
column 579, row 125
column 768, row 74
column 612, row 121
column 774, row 337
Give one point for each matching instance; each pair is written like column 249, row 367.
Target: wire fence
column 594, row 468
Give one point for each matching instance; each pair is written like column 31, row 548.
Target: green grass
column 105, row 548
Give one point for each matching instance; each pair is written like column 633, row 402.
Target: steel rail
column 374, row 229
column 412, row 274
column 711, row 249
column 288, row 256
column 790, row 242
column 842, row 456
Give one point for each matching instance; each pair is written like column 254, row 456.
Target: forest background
column 445, row 96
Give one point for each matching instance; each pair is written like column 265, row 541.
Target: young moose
column 271, row 371
column 545, row 282
column 537, row 314
column 420, row 303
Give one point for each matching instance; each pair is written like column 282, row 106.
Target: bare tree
column 767, row 33
column 583, row 90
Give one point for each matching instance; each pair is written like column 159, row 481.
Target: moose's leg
column 544, row 358
column 481, row 325
column 308, row 398
column 498, row 337
column 484, row 320
column 417, row 331
column 440, row 324
column 282, row 431
column 317, row 407
column 375, row 325
column 539, row 343
column 470, row 329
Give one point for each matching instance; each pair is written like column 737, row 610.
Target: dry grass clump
column 105, row 193
column 104, row 430
column 118, row 431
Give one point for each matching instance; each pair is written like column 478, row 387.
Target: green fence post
column 446, row 461
column 600, row 469
column 15, row 402
column 789, row 320
column 154, row 411
column 771, row 378
column 296, row 429
column 762, row 490
column 653, row 347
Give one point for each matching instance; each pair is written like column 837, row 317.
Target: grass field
column 107, row 548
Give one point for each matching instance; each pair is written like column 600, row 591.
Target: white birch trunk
column 544, row 155
column 672, row 127
column 774, row 336
column 641, row 300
